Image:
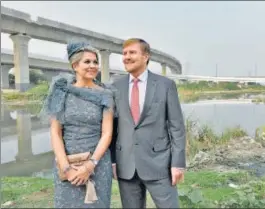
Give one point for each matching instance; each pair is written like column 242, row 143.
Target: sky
column 208, row 37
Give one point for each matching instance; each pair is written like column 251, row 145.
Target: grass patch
column 258, row 100
column 200, row 189
column 204, row 138
column 27, row 192
column 37, row 93
column 191, row 92
column 189, row 96
column 39, row 89
column 220, row 86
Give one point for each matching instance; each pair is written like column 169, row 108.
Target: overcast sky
column 202, row 35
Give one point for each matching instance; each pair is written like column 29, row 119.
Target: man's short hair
column 144, row 45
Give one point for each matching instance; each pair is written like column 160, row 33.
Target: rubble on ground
column 244, row 153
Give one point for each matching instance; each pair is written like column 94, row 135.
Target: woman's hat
column 75, row 47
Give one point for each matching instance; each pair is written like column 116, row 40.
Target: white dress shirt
column 141, row 86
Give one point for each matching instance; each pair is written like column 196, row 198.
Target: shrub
column 35, row 77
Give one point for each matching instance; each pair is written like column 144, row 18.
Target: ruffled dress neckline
column 62, row 85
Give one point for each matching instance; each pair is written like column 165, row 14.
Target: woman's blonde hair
column 77, row 56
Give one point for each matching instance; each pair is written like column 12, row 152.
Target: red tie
column 135, row 107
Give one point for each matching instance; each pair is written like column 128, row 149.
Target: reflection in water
column 24, row 136
column 25, row 150
column 26, row 145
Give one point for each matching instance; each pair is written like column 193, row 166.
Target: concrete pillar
column 24, row 136
column 164, row 69
column 4, row 76
column 105, row 71
column 21, row 61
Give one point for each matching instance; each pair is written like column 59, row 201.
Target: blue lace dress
column 80, row 111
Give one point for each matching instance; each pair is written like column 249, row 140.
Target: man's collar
column 142, row 77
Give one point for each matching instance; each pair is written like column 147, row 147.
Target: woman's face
column 87, row 67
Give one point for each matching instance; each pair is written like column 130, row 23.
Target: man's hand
column 177, row 175
column 114, row 171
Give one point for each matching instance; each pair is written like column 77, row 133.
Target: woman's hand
column 71, row 174
column 81, row 176
column 82, row 173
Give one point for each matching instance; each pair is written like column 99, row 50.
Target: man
column 148, row 149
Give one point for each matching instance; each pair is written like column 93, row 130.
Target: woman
column 81, row 115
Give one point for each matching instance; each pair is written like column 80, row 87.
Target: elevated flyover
column 22, row 28
column 50, row 66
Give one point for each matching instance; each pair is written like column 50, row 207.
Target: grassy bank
column 203, row 137
column 193, row 96
column 258, row 100
column 33, row 95
column 200, row 189
column 188, row 92
column 220, row 86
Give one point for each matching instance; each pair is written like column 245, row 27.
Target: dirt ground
column 239, row 154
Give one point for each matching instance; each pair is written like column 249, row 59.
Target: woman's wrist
column 94, row 161
column 89, row 166
column 67, row 168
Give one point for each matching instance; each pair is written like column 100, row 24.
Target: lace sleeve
column 53, row 106
column 109, row 99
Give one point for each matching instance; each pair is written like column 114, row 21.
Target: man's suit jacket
column 157, row 142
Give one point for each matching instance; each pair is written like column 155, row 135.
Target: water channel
column 26, row 146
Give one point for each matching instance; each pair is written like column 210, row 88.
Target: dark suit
column 145, row 152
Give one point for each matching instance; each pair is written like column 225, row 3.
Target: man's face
column 134, row 58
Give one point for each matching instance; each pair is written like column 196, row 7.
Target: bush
column 230, row 86
column 39, row 89
column 204, row 138
column 260, row 134
column 35, row 77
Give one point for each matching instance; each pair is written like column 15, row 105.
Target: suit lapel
column 125, row 98
column 149, row 95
